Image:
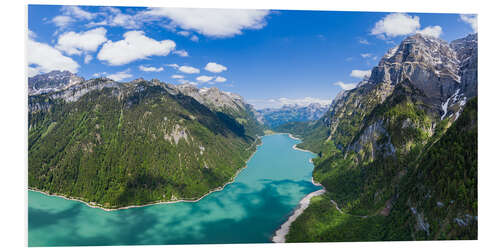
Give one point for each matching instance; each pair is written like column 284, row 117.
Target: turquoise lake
column 249, row 210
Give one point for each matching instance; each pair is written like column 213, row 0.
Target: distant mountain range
column 116, row 144
column 398, row 153
column 274, row 117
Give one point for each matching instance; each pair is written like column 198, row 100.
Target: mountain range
column 274, row 117
column 398, row 153
column 116, row 144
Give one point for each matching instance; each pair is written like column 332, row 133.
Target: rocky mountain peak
column 52, row 81
column 213, row 97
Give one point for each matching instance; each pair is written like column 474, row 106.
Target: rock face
column 466, row 50
column 430, row 64
column 213, row 97
column 224, row 102
column 274, row 117
column 52, row 81
column 406, row 136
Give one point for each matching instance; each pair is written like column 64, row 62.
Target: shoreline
column 281, row 233
column 97, row 205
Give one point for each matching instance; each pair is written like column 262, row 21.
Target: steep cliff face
column 383, row 133
column 466, row 49
column 133, row 143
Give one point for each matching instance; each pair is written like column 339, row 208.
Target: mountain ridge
column 119, row 144
column 373, row 138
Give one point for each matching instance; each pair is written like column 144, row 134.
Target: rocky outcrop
column 430, row 64
column 52, row 81
column 466, row 50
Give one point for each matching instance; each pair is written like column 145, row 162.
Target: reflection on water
column 246, row 211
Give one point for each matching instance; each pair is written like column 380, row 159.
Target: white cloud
column 215, row 68
column 126, row 21
column 396, row 24
column 62, row 21
column 366, row 55
column 361, row 73
column 364, row 41
column 345, row 86
column 434, row 31
column 194, row 38
column 150, row 69
column 99, row 74
column 134, row 46
column 43, row 58
column 69, row 14
column 184, row 81
column 31, row 34
column 181, row 53
column 220, row 79
column 399, row 24
column 75, row 43
column 204, row 78
column 87, row 59
column 189, row 70
column 173, row 65
column 471, row 19
column 177, row 76
column 212, row 22
column 77, row 12
column 119, row 76
column 184, row 33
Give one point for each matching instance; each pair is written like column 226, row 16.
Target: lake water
column 249, row 210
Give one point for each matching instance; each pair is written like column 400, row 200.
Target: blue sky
column 270, row 57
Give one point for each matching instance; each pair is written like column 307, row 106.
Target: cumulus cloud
column 87, row 59
column 400, row 24
column 99, row 74
column 43, row 58
column 220, row 79
column 119, row 76
column 212, row 22
column 62, row 21
column 75, row 43
column 345, row 86
column 184, row 33
column 204, row 78
column 177, row 76
column 189, row 70
column 77, row 12
column 366, row 55
column 126, row 21
column 361, row 73
column 150, row 69
column 215, row 68
column 434, row 31
column 70, row 14
column 134, row 46
column 173, row 65
column 181, row 53
column 471, row 19
column 184, row 81
column 396, row 24
column 194, row 38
